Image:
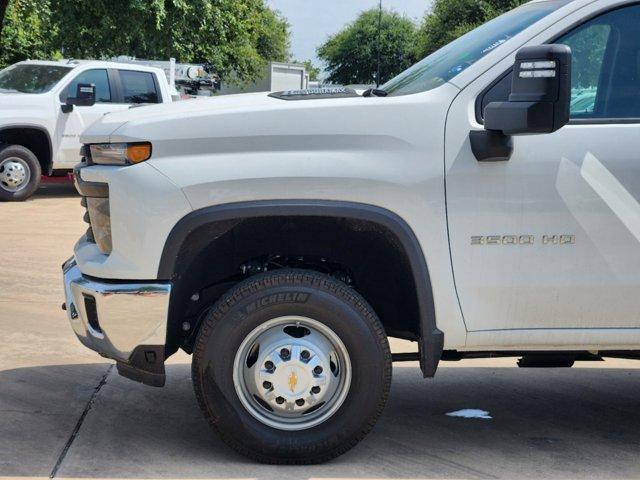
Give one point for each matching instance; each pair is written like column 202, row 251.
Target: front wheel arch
column 35, row 138
column 184, row 241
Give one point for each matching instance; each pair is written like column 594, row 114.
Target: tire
column 20, row 173
column 306, row 305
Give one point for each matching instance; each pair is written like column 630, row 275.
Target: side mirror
column 85, row 95
column 538, row 103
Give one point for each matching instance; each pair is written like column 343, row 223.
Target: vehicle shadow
column 546, row 423
column 56, row 190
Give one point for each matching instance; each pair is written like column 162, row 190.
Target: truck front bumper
column 124, row 321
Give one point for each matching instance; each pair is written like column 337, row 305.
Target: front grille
column 83, row 202
column 100, row 222
column 95, row 200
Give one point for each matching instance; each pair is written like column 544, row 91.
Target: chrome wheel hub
column 14, row 174
column 292, row 373
column 289, row 382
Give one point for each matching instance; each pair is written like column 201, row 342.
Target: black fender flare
column 431, row 339
column 48, row 167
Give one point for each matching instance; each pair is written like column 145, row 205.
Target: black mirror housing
column 540, row 93
column 85, row 95
column 517, row 118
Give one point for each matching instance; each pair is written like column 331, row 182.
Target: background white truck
column 40, row 126
column 463, row 206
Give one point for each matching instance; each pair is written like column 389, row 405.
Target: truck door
column 548, row 242
column 72, row 124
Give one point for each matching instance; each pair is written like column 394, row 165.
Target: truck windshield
column 447, row 62
column 25, row 78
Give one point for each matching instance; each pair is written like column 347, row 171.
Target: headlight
column 120, row 153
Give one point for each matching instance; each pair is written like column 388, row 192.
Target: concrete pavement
column 64, row 410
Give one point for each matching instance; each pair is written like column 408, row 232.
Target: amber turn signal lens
column 138, row 152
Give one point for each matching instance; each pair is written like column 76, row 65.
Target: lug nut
column 269, row 366
column 284, row 353
column 305, row 355
column 279, row 400
column 317, row 370
column 267, row 385
column 315, row 390
column 300, row 402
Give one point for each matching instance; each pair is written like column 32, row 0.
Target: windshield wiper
column 9, row 90
column 374, row 92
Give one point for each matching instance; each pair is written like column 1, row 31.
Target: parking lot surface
column 65, row 412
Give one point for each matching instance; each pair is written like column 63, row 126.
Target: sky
column 313, row 21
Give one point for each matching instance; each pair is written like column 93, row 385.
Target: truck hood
column 195, row 106
column 13, row 100
column 24, row 108
column 137, row 116
column 129, row 125
column 256, row 123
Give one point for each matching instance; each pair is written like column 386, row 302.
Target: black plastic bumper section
column 146, row 365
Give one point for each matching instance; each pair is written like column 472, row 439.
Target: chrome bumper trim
column 128, row 314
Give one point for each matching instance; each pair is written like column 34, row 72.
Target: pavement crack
column 79, row 423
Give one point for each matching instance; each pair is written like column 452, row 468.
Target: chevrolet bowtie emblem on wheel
column 293, row 381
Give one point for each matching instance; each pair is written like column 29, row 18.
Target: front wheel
column 20, row 173
column 292, row 367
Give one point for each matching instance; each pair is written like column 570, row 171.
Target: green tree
column 273, row 39
column 237, row 36
column 351, row 55
column 449, row 19
column 3, row 10
column 26, row 31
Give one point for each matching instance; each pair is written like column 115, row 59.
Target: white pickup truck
column 40, row 124
column 281, row 238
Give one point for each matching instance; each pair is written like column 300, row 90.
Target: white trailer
column 278, row 76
